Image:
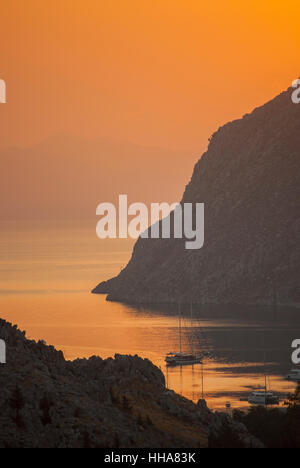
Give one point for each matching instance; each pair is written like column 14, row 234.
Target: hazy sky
column 156, row 72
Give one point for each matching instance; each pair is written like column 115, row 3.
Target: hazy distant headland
column 65, row 177
column 249, row 180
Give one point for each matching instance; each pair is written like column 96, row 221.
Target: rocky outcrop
column 249, row 180
column 46, row 401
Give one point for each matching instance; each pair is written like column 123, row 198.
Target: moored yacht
column 181, row 358
column 261, row 396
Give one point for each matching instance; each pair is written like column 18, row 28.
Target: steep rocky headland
column 46, row 401
column 249, row 180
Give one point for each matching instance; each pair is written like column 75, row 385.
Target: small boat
column 182, row 359
column 262, row 396
column 293, row 375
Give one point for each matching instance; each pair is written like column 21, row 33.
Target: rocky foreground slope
column 249, row 180
column 46, row 401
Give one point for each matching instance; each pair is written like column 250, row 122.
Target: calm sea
column 47, row 271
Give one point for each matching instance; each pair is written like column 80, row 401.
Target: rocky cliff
column 249, row 180
column 46, row 401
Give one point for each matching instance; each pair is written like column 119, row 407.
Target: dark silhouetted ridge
column 249, row 180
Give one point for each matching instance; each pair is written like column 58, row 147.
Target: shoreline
column 120, row 402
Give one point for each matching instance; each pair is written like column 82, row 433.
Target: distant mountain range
column 249, row 180
column 66, row 177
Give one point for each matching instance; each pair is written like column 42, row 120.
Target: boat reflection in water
column 238, row 348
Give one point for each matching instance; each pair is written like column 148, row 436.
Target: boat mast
column 266, row 382
column 265, row 359
column 202, row 380
column 192, row 337
column 180, row 346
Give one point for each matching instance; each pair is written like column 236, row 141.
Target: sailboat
column 261, row 395
column 181, row 358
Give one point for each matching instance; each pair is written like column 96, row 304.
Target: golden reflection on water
column 46, row 274
column 83, row 325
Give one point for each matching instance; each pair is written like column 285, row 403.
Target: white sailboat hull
column 263, row 399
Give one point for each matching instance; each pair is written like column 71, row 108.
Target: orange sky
column 161, row 72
